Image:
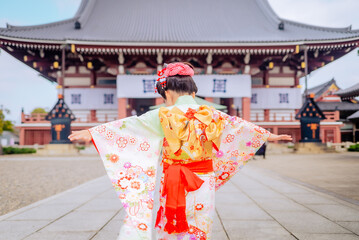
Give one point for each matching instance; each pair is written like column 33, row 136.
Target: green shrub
column 354, row 148
column 80, row 147
column 15, row 150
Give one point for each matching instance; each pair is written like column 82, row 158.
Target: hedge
column 354, row 148
column 15, row 150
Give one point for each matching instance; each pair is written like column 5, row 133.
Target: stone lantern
column 310, row 116
column 60, row 117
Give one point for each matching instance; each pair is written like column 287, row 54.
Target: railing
column 289, row 117
column 255, row 117
column 34, row 117
column 40, row 118
column 273, row 117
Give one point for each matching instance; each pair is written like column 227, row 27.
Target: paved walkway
column 256, row 204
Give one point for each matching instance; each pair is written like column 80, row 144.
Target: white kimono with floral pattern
column 130, row 149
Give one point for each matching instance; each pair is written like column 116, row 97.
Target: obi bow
column 180, row 127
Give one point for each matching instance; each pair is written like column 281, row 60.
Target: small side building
column 338, row 105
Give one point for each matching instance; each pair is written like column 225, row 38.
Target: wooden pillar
column 337, row 135
column 93, row 117
column 322, row 134
column 93, row 78
column 275, row 131
column 22, row 136
column 296, row 79
column 159, row 101
column 231, row 109
column 354, row 131
column 246, row 108
column 121, row 108
column 209, row 99
column 266, row 115
column 266, row 78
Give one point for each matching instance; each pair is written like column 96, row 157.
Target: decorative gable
column 310, row 110
column 60, row 110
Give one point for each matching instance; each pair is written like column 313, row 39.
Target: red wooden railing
column 40, row 118
column 273, row 117
column 255, row 117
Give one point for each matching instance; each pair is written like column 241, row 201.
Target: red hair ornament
column 173, row 69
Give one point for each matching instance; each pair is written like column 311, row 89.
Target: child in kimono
column 185, row 149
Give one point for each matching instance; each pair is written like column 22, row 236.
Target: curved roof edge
column 81, row 8
column 87, row 6
column 80, row 11
column 268, row 11
column 316, row 27
column 293, row 43
column 352, row 91
column 85, row 11
column 51, row 24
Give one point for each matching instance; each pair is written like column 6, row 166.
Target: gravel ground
column 26, row 179
column 334, row 172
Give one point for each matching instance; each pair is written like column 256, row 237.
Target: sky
column 22, row 87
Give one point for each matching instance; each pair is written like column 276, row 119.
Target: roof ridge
column 316, row 27
column 268, row 11
column 77, row 15
column 13, row 27
column 84, row 13
column 81, row 8
column 331, row 81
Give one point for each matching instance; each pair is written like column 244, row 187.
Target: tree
column 5, row 125
column 39, row 110
column 8, row 126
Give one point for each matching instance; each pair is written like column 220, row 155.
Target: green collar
column 185, row 99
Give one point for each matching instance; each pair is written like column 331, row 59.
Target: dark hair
column 178, row 83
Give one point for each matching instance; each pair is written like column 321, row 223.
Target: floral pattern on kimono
column 240, row 141
column 189, row 141
column 130, row 149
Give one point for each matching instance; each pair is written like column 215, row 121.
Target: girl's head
column 178, row 81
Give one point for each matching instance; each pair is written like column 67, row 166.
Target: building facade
column 106, row 57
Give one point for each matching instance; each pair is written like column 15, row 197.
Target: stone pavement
column 255, row 204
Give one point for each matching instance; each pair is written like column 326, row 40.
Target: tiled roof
column 341, row 106
column 320, row 89
column 354, row 116
column 352, row 91
column 186, row 22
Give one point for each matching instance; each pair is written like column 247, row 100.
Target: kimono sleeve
column 240, row 140
column 130, row 149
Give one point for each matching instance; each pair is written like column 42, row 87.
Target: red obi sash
column 178, row 179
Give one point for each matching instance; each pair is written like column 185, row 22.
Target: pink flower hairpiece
column 173, row 69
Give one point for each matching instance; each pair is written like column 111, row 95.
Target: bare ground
column 27, row 179
column 334, row 172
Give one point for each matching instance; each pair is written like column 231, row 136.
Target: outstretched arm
column 275, row 137
column 80, row 135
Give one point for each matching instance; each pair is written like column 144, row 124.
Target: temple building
column 105, row 59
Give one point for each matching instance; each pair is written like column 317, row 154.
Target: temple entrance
column 138, row 106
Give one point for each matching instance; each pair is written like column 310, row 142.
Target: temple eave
column 313, row 44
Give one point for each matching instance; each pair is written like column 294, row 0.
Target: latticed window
column 219, row 85
column 149, row 85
